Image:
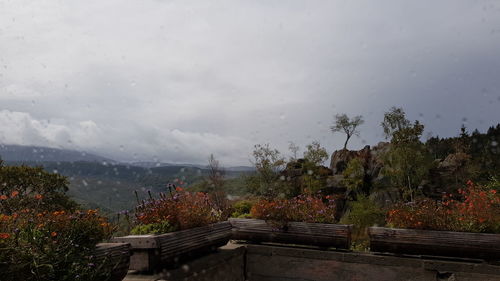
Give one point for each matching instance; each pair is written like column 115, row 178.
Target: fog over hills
column 20, row 153
column 99, row 182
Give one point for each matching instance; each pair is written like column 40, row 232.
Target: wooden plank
column 436, row 243
column 117, row 255
column 189, row 240
column 315, row 234
column 154, row 251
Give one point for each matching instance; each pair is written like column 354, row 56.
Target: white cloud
column 179, row 80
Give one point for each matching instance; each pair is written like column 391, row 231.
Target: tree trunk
column 347, row 140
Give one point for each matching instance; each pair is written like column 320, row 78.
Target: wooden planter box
column 302, row 233
column 153, row 252
column 117, row 255
column 435, row 243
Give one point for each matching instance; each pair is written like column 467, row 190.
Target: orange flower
column 38, row 196
column 53, row 234
column 4, row 235
column 3, row 197
column 14, row 193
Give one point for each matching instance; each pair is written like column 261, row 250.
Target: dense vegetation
column 403, row 182
column 43, row 235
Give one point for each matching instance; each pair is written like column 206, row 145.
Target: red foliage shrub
column 54, row 245
column 478, row 210
column 303, row 208
column 182, row 210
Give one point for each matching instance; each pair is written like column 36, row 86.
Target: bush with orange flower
column 477, row 209
column 32, row 187
column 177, row 210
column 303, row 208
column 54, row 245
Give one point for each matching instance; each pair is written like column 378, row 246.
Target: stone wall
column 242, row 262
column 273, row 263
column 227, row 264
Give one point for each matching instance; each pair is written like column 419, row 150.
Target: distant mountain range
column 19, row 153
column 100, row 182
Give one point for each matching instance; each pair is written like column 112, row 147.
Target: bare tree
column 216, row 181
column 294, row 149
column 347, row 125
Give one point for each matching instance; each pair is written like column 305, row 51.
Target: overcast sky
column 175, row 81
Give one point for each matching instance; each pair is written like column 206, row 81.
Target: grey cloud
column 178, row 80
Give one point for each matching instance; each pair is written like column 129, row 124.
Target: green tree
column 394, row 120
column 407, row 163
column 347, row 125
column 33, row 187
column 315, row 154
column 354, row 176
column 268, row 164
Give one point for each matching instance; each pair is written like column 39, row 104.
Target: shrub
column 303, row 208
column 241, row 209
column 363, row 213
column 52, row 245
column 182, row 210
column 477, row 210
column 24, row 187
column 152, row 228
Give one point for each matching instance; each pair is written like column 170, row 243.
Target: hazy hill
column 19, row 153
column 112, row 187
column 97, row 181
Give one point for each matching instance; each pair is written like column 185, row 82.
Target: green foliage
column 394, row 120
column 315, row 154
column 483, row 149
column 268, row 164
column 407, row 166
column 349, row 126
column 34, row 188
column 52, row 246
column 354, row 176
column 407, row 163
column 241, row 209
column 363, row 213
column 494, row 184
column 152, row 228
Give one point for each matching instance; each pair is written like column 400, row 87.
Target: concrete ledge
column 247, row 262
column 266, row 263
column 225, row 265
